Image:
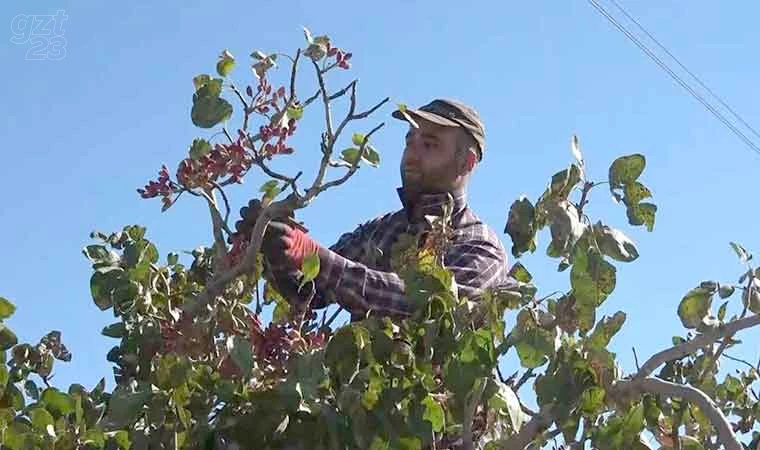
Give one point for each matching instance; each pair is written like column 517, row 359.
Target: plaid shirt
column 355, row 271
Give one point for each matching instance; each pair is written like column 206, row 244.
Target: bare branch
column 529, row 431
column 226, row 133
column 246, row 109
column 688, row 393
column 636, row 358
column 247, row 264
column 739, row 361
column 278, row 176
column 523, row 379
column 325, row 100
column 353, row 168
column 681, row 350
column 226, row 207
column 293, row 77
column 217, row 224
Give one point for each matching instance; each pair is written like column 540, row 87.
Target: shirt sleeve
column 477, row 264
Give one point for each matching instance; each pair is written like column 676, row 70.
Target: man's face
column 429, row 163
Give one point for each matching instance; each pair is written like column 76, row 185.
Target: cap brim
column 430, row 117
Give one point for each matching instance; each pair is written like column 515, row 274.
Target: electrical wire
column 686, row 69
column 675, row 76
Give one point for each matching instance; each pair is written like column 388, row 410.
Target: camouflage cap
column 451, row 113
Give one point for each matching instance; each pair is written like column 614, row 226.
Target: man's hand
column 286, row 243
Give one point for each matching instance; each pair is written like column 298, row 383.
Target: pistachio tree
column 196, row 367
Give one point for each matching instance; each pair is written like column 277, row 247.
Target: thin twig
column 354, row 167
column 332, row 317
column 226, row 207
column 523, row 379
column 636, row 359
column 498, row 373
column 246, row 109
column 293, row 77
column 218, row 226
column 739, row 361
column 226, row 133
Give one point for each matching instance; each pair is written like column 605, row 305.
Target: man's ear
column 468, row 162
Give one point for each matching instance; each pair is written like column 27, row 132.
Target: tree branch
column 353, row 167
column 688, row 393
column 523, row 379
column 218, row 225
column 469, row 415
column 681, row 350
column 529, row 431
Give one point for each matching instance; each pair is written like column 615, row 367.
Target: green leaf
column 726, row 291
column 505, row 401
column 592, row 400
column 57, row 402
column 593, row 279
column 115, row 330
column 614, row 243
column 350, row 155
column 42, row 421
column 121, row 439
column 751, row 299
column 743, row 254
column 201, row 80
column 32, row 390
column 722, row 311
column 94, row 438
column 642, row 214
column 564, row 181
column 635, row 192
column 172, row 258
column 7, row 337
column 379, row 443
column 408, row 443
column 6, row 308
column 371, row 156
column 605, row 330
column 534, row 347
column 173, row 371
column 520, row 273
column 270, row 189
column 626, row 169
column 99, row 254
column 295, row 112
column 566, row 227
column 241, row 353
column 433, row 413
column 521, row 226
column 208, row 108
column 358, row 139
column 310, row 268
column 125, row 405
column 225, row 64
column 694, row 306
column 199, row 148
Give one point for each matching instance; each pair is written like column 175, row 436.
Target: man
column 445, row 140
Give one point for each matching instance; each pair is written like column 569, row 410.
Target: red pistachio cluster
column 341, row 57
column 224, row 160
column 161, row 187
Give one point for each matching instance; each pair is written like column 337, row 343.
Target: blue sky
column 83, row 132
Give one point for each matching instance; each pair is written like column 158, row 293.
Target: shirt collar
column 432, row 204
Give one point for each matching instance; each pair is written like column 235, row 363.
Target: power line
column 673, row 75
column 716, row 96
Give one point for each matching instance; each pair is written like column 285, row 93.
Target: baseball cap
column 451, row 113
